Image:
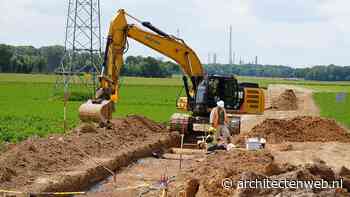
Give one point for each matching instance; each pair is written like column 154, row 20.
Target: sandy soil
column 205, row 179
column 335, row 154
column 142, row 178
column 287, row 101
column 298, row 129
column 38, row 161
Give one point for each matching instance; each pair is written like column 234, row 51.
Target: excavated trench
column 90, row 174
column 77, row 161
column 144, row 176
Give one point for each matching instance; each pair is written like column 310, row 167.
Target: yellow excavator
column 202, row 93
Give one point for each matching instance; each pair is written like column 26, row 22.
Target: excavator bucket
column 96, row 112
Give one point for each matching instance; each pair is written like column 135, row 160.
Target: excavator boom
column 101, row 107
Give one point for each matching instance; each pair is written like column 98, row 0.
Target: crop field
column 28, row 106
column 315, row 85
column 332, row 107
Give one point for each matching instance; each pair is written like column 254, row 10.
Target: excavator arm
column 101, row 108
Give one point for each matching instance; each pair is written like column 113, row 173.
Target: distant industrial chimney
column 178, row 33
column 214, row 58
column 234, row 58
column 209, row 58
column 230, row 47
column 256, row 60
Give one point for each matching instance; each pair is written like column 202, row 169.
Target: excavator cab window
column 230, row 94
column 213, row 92
column 223, row 88
column 215, row 88
column 201, row 97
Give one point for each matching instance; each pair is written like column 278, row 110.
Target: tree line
column 28, row 59
column 319, row 72
column 149, row 67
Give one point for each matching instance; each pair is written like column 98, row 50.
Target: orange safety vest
column 216, row 117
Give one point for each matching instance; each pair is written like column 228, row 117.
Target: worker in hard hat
column 219, row 121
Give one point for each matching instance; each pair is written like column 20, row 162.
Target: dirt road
column 305, row 103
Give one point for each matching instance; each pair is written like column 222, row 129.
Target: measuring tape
column 42, row 193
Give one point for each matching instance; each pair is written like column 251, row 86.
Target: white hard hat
column 221, row 104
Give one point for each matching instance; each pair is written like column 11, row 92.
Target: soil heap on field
column 299, row 129
column 206, row 178
column 309, row 172
column 287, row 101
column 24, row 162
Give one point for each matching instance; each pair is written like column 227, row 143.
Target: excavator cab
column 224, row 88
column 215, row 88
column 239, row 98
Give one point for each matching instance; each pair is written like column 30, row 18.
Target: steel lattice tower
column 82, row 39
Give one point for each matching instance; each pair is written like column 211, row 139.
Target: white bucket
column 253, row 144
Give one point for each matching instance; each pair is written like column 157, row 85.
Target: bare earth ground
column 142, row 178
column 302, row 147
column 335, row 154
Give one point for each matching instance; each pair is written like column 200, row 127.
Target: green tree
column 53, row 56
column 6, row 52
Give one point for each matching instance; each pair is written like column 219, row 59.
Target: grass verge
column 331, row 107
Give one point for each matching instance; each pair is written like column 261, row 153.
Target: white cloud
column 292, row 11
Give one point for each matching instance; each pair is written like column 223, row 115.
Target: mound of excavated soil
column 308, row 172
column 206, row 178
column 286, row 101
column 22, row 163
column 299, row 129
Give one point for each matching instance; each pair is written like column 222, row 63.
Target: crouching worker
column 214, row 143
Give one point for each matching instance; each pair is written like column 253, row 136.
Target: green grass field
column 332, row 108
column 315, row 85
column 28, row 106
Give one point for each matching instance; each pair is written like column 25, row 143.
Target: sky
column 297, row 33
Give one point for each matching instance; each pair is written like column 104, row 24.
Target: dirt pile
column 206, row 179
column 24, row 162
column 309, row 172
column 287, row 101
column 299, row 129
